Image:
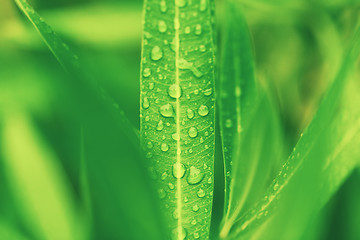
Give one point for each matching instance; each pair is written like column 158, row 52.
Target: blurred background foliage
column 298, row 47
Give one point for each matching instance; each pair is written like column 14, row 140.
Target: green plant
column 158, row 183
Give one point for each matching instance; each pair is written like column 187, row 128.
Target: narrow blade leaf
column 40, row 187
column 177, row 110
column 238, row 86
column 122, row 201
column 249, row 124
column 320, row 156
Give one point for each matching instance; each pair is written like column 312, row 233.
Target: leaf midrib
column 178, row 143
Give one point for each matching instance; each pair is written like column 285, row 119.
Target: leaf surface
column 177, row 110
column 320, row 162
column 249, row 124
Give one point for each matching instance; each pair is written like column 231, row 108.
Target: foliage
column 270, row 153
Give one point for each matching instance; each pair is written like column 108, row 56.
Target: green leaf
column 249, row 124
column 70, row 62
column 124, row 205
column 10, row 232
column 40, row 187
column 322, row 159
column 177, row 110
column 238, row 90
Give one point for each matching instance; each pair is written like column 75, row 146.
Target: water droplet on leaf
column 164, row 147
column 198, row 29
column 162, row 26
column 167, row 110
column 175, row 136
column 203, row 110
column 146, row 103
column 190, row 113
column 175, row 91
column 163, row 7
column 160, row 125
column 178, row 170
column 208, row 92
column 156, row 53
column 195, row 176
column 180, row 3
column 193, row 132
column 201, row 193
column 146, row 72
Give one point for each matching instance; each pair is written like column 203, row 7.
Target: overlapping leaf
column 323, row 158
column 249, row 125
column 118, row 186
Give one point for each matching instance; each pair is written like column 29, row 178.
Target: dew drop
column 198, row 29
column 195, row 176
column 203, row 110
column 175, row 136
column 146, row 103
column 201, row 193
column 187, row 30
column 259, row 215
column 195, row 208
column 146, row 72
column 276, row 186
column 203, row 5
column 162, row 26
column 208, row 92
column 174, row 91
column 163, row 7
column 147, row 35
column 160, row 125
column 171, row 186
column 202, row 48
column 178, row 170
column 149, row 145
column 167, row 110
column 164, row 147
column 149, row 155
column 193, row 222
column 190, row 113
column 156, row 53
column 151, row 85
column 196, row 235
column 180, row 3
column 183, row 64
column 164, row 176
column 193, row 132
